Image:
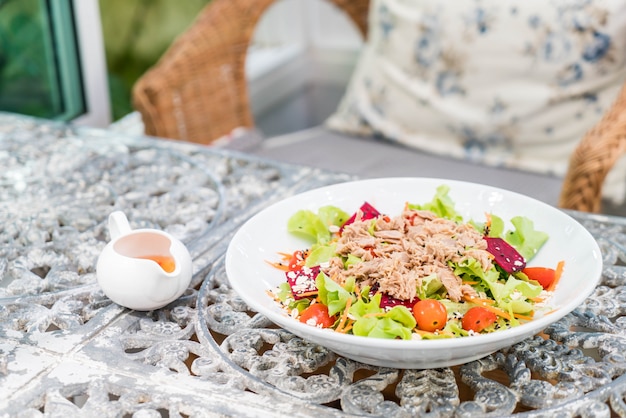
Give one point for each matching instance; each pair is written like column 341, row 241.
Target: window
column 49, row 59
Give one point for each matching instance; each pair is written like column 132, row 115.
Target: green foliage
column 136, row 33
column 26, row 76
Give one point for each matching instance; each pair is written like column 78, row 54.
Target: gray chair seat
column 368, row 158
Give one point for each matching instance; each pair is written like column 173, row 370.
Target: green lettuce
column 521, row 306
column 284, row 294
column 441, row 205
column 452, row 329
column 314, row 227
column 332, row 294
column 496, row 229
column 471, row 270
column 430, row 285
column 526, row 239
column 381, row 327
column 306, row 224
column 398, row 322
column 332, row 215
column 320, row 254
column 351, row 259
column 501, row 292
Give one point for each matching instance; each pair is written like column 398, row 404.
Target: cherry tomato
column 430, row 314
column 477, row 319
column 543, row 275
column 318, row 312
column 296, row 261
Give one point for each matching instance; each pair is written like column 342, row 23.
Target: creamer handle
column 118, row 224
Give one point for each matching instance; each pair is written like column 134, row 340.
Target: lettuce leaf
column 527, row 289
column 364, row 307
column 500, row 291
column 320, row 254
column 332, row 215
column 472, row 270
column 526, row 239
column 351, row 259
column 315, row 227
column 398, row 322
column 496, row 230
column 381, row 327
column 284, row 292
column 309, row 226
column 441, row 205
column 332, row 294
column 429, row 286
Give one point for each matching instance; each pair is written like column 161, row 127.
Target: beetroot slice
column 388, row 302
column 369, row 212
column 505, row 255
column 302, row 281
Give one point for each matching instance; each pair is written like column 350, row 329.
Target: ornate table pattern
column 67, row 350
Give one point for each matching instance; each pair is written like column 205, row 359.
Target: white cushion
column 512, row 83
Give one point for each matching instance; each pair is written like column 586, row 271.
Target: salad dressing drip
column 166, row 262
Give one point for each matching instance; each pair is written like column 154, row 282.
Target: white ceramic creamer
column 142, row 269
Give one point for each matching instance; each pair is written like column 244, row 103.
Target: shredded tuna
column 405, row 249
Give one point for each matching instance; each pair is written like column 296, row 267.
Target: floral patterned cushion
column 511, row 83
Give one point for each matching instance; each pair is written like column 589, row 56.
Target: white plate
column 265, row 234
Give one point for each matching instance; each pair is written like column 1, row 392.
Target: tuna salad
column 425, row 273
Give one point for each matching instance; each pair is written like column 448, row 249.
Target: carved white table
column 66, row 350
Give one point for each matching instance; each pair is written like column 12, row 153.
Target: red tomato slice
column 477, row 319
column 297, row 260
column 544, row 275
column 430, row 315
column 318, row 313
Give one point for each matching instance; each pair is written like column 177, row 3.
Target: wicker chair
column 197, row 92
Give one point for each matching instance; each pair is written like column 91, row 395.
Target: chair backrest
column 197, row 91
column 596, row 154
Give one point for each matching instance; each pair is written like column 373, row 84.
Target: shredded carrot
column 498, row 311
column 306, row 294
column 487, row 304
column 347, row 328
column 420, row 332
column 272, row 295
column 470, row 282
column 557, row 275
column 479, row 301
column 524, row 317
column 279, row 266
column 344, row 316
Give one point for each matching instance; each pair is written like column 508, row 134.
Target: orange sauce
column 165, row 262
